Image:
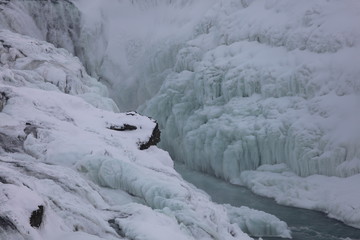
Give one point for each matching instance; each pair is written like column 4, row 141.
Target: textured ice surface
column 234, row 84
column 267, row 83
column 59, row 152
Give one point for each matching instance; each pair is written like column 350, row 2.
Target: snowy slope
column 72, row 170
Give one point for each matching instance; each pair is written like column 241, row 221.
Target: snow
column 338, row 197
column 237, row 87
column 258, row 223
column 59, row 152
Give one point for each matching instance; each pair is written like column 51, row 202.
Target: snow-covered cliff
column 236, row 86
column 73, row 168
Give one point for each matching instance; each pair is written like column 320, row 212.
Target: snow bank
column 257, row 223
column 338, row 197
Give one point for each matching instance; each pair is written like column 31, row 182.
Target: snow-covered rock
column 73, row 168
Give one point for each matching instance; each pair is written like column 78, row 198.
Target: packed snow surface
column 72, row 164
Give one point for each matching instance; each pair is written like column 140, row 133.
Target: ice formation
column 71, row 167
column 234, row 85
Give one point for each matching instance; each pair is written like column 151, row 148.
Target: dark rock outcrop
column 37, row 217
column 153, row 140
column 3, row 100
column 125, row 127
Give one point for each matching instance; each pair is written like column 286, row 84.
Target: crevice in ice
column 11, row 144
column 6, row 224
column 116, row 227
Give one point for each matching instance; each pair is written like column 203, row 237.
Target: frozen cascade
column 73, row 168
column 249, row 92
column 234, row 85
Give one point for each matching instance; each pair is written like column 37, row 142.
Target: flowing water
column 304, row 224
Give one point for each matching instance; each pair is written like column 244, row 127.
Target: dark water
column 304, row 224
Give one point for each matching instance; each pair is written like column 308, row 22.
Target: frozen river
column 304, row 224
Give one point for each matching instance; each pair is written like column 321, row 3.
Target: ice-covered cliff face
column 266, row 82
column 74, row 170
column 233, row 84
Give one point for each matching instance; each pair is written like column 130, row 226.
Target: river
column 304, row 224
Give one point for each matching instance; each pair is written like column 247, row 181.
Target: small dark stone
column 125, row 127
column 36, row 217
column 3, row 100
column 154, row 139
column 7, row 224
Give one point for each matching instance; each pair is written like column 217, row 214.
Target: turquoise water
column 304, row 224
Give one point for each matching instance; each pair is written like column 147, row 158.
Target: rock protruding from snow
column 36, row 217
column 3, row 100
column 153, row 140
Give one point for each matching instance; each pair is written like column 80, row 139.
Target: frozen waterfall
column 254, row 92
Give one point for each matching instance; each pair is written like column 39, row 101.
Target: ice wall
column 62, row 160
column 233, row 84
column 266, row 82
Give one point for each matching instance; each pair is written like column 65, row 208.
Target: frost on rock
column 65, row 174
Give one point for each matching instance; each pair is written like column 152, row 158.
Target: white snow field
column 263, row 93
column 72, row 168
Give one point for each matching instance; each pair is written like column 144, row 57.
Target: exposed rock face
column 125, row 127
column 3, row 100
column 153, row 140
column 36, row 217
